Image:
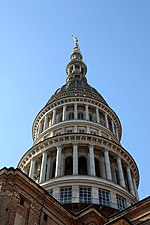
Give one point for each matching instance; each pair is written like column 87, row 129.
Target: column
column 107, row 165
column 48, row 168
column 130, row 180
column 54, row 116
column 56, row 193
column 75, row 159
column 64, row 113
column 86, row 112
column 75, row 129
column 75, row 111
column 135, row 189
column 88, row 129
column 75, row 194
column 91, row 160
column 32, row 168
column 99, row 132
column 106, row 121
column 43, row 167
column 117, row 134
column 113, row 126
column 95, row 195
column 25, row 170
column 58, row 161
column 120, row 170
column 39, row 129
column 46, row 122
column 97, row 116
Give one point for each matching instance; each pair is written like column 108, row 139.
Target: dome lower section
column 89, row 190
column 81, row 168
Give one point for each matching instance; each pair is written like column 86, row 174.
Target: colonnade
column 46, row 166
column 98, row 117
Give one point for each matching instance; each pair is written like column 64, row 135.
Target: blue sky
column 35, row 46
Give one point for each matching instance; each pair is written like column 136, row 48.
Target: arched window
column 60, row 118
column 90, row 117
column 71, row 116
column 69, row 166
column 117, row 176
column 80, row 116
column 97, row 167
column 53, row 169
column 82, row 166
column 110, row 124
column 71, row 69
column 102, row 119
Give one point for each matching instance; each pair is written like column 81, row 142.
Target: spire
column 76, row 69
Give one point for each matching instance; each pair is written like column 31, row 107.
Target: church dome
column 77, row 88
column 76, row 154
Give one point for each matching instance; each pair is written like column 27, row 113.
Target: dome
column 77, row 88
column 77, row 155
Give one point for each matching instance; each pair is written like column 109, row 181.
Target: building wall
column 22, row 202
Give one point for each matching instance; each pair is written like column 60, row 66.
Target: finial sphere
column 75, row 41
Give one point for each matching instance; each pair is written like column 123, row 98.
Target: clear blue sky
column 35, row 45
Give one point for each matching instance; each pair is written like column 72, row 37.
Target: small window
column 80, row 116
column 104, row 198
column 97, row 167
column 69, row 131
column 58, row 133
column 53, row 168
column 102, row 119
column 90, row 117
column 51, row 192
column 71, row 69
column 82, row 165
column 121, row 202
column 110, row 124
column 85, row 195
column 81, row 131
column 71, row 116
column 60, row 118
column 66, row 195
column 45, row 217
column 69, row 166
column 21, row 201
